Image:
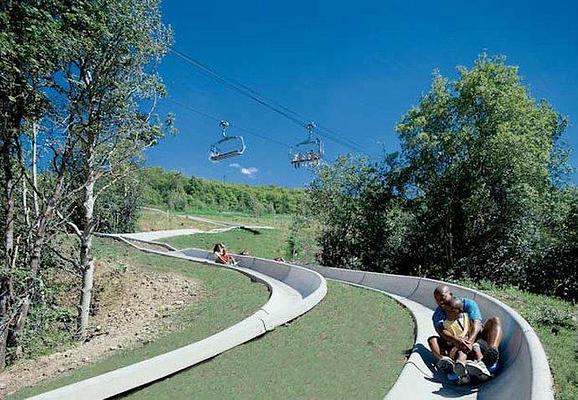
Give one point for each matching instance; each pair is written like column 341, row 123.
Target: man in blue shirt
column 487, row 336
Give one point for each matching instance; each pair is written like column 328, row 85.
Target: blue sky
column 355, row 67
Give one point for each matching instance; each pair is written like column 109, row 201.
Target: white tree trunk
column 86, row 260
column 8, row 239
column 34, row 172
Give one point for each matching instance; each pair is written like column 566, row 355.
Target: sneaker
column 491, row 356
column 460, row 369
column 464, row 380
column 445, row 364
column 478, row 369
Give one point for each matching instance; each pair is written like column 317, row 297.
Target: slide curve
column 293, row 292
column 524, row 372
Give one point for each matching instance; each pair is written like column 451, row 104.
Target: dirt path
column 136, row 307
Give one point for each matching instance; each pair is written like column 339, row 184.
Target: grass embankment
column 230, row 297
column 333, row 352
column 554, row 320
column 293, row 238
column 152, row 220
column 270, row 243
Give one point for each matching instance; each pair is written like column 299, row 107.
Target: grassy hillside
column 230, row 297
column 334, row 351
column 555, row 323
column 175, row 191
column 554, row 319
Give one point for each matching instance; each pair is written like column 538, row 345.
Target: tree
column 365, row 220
column 31, row 47
column 477, row 191
column 478, row 155
column 108, row 81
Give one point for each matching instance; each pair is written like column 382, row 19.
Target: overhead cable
column 217, row 119
column 266, row 102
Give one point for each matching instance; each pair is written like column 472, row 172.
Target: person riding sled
column 222, row 256
column 465, row 346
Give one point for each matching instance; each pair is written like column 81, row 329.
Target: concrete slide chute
column 293, row 290
column 524, row 372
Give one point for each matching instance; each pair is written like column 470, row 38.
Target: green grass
column 296, row 233
column 270, row 243
column 151, row 220
column 554, row 320
column 230, row 297
column 560, row 342
column 276, row 220
column 334, row 351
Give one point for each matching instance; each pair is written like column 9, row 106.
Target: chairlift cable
column 207, row 71
column 216, row 119
column 263, row 100
column 296, row 114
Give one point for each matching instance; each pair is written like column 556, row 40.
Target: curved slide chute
column 524, row 372
column 297, row 292
column 294, row 290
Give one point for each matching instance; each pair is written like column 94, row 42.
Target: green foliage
column 83, row 73
column 554, row 320
column 51, row 321
column 174, row 191
column 117, row 208
column 48, row 327
column 476, row 192
column 365, row 224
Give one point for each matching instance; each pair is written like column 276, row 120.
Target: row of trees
column 174, row 191
column 77, row 90
column 478, row 190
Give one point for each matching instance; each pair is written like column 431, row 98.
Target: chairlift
column 307, row 153
column 228, row 146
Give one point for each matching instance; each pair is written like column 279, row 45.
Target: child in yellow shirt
column 457, row 326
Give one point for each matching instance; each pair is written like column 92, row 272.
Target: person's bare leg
column 460, row 368
column 436, row 348
column 461, row 357
column 476, row 352
column 492, row 332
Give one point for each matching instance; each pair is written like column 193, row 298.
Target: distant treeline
column 175, row 191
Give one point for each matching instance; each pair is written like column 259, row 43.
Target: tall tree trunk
column 38, row 227
column 34, row 168
column 35, row 243
column 17, row 331
column 86, row 260
column 16, row 334
column 8, row 239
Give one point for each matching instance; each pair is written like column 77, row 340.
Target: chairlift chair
column 308, row 152
column 228, row 146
